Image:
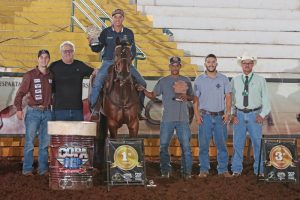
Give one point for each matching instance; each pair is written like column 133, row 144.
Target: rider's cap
column 118, row 11
column 175, row 59
column 43, row 51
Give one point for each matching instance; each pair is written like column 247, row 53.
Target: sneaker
column 27, row 173
column 203, row 175
column 225, row 174
column 165, row 175
column 236, row 174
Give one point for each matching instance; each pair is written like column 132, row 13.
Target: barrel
column 71, row 154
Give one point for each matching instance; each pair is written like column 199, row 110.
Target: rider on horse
column 107, row 40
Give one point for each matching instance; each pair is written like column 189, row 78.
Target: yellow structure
column 30, row 25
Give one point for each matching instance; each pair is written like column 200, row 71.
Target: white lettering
column 38, row 91
column 72, row 152
column 37, row 86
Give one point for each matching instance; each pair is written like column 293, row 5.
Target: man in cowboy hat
column 250, row 103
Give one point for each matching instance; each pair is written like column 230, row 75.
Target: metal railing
column 98, row 18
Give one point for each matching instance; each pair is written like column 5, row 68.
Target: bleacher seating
column 30, row 25
column 268, row 29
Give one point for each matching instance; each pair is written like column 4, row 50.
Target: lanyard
column 249, row 78
column 245, row 92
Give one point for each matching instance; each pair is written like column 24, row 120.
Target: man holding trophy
column 176, row 90
column 107, row 42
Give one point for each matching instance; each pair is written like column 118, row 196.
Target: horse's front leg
column 133, row 128
column 113, row 128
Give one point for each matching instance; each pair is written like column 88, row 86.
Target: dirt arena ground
column 13, row 185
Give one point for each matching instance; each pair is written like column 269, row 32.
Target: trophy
column 93, row 34
column 180, row 88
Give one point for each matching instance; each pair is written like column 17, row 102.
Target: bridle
column 118, row 63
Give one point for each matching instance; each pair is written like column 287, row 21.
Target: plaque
column 125, row 162
column 280, row 163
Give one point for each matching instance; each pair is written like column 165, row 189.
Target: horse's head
column 122, row 60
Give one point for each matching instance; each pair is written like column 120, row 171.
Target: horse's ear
column 118, row 41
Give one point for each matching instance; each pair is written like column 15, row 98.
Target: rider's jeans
column 102, row 74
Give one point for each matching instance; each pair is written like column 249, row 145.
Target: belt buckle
column 42, row 108
column 214, row 113
column 206, row 112
column 247, row 110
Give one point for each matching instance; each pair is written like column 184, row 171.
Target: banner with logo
column 125, row 161
column 284, row 96
column 280, row 160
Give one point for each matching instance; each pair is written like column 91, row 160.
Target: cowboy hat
column 246, row 56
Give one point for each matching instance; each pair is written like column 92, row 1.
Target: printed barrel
column 71, row 150
column 71, row 154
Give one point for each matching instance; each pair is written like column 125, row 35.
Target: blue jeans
column 184, row 135
column 102, row 74
column 68, row 115
column 213, row 126
column 246, row 122
column 36, row 124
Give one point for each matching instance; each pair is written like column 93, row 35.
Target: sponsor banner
column 280, row 160
column 283, row 120
column 125, row 160
column 9, row 124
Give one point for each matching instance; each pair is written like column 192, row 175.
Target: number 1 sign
column 280, row 159
column 125, row 162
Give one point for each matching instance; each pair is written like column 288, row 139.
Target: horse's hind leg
column 133, row 128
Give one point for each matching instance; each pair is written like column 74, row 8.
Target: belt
column 41, row 107
column 211, row 113
column 246, row 110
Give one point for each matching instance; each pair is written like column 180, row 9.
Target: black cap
column 43, row 51
column 175, row 59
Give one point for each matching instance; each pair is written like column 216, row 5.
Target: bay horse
column 120, row 102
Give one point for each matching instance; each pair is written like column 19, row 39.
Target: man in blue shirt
column 212, row 110
column 250, row 106
column 107, row 40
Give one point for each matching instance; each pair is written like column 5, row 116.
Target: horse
column 120, row 102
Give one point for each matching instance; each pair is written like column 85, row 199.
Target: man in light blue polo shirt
column 212, row 109
column 250, row 107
